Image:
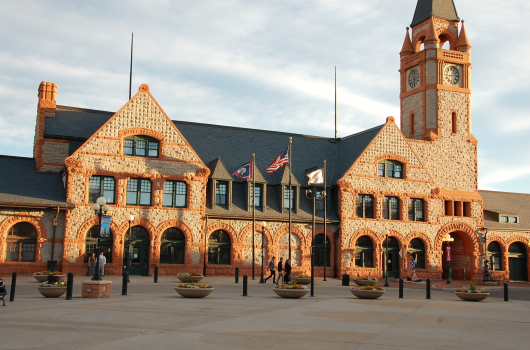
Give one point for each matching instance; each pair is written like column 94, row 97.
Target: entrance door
column 393, row 264
column 140, row 260
column 517, row 262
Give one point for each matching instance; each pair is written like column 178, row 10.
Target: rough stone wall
column 54, row 152
column 412, row 104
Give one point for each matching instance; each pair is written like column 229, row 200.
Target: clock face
column 451, row 75
column 414, row 78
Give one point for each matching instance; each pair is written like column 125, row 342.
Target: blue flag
column 246, row 171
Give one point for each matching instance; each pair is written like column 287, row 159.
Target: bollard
column 124, row 283
column 401, row 288
column 505, row 291
column 13, row 286
column 464, row 274
column 428, row 296
column 156, row 274
column 346, row 280
column 237, row 274
column 245, row 282
column 450, row 277
column 69, row 286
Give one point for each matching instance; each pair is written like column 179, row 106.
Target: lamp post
column 128, row 262
column 487, row 274
column 100, row 207
column 448, row 239
column 387, row 233
column 263, row 224
column 313, row 196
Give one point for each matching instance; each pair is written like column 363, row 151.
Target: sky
column 261, row 64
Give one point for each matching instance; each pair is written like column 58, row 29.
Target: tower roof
column 444, row 9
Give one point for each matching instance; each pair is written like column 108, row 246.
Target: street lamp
column 487, row 274
column 100, row 207
column 263, row 224
column 448, row 239
column 128, row 262
column 313, row 196
column 387, row 233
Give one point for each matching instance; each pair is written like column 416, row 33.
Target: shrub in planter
column 189, row 276
column 472, row 293
column 194, row 290
column 292, row 291
column 368, row 291
column 365, row 281
column 53, row 287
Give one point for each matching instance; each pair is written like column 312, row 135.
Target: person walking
column 91, row 264
column 287, row 269
column 272, row 269
column 102, row 262
column 280, row 271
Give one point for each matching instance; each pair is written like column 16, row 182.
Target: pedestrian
column 91, row 264
column 102, row 262
column 287, row 269
column 280, row 271
column 272, row 269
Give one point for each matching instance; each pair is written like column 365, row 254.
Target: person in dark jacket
column 280, row 271
column 287, row 269
column 272, row 269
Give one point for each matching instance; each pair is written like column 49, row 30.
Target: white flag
column 316, row 177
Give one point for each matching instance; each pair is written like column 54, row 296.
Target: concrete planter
column 52, row 292
column 43, row 278
column 190, row 278
column 290, row 293
column 367, row 294
column 365, row 282
column 194, row 292
column 303, row 280
column 472, row 296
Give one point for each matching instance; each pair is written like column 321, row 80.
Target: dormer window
column 286, row 196
column 220, row 192
column 140, row 146
column 509, row 219
column 390, row 168
column 257, row 195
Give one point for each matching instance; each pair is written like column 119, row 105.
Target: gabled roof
column 218, row 170
column 517, row 204
column 443, row 9
column 285, row 176
column 22, row 185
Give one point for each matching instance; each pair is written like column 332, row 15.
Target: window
column 391, row 208
column 101, row 186
column 286, row 202
column 504, row 219
column 416, row 210
column 390, row 168
column 105, row 244
column 495, row 253
column 220, row 192
column 219, row 248
column 140, row 146
column 417, row 249
column 448, row 206
column 509, row 219
column 467, row 209
column 364, row 252
column 319, row 203
column 412, row 125
column 172, row 246
column 21, row 243
column 364, row 206
column 453, row 123
column 138, row 192
column 174, row 194
column 258, row 196
column 319, row 250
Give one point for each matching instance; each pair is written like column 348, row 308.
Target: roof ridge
column 79, row 109
column 362, row 132
column 518, row 193
column 20, row 157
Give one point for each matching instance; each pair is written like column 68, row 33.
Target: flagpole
column 290, row 194
column 335, row 101
column 253, row 208
column 325, row 231
column 130, row 70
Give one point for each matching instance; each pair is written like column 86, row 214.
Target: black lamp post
column 449, row 239
column 487, row 274
column 100, row 208
column 386, row 259
column 263, row 224
column 313, row 196
column 128, row 262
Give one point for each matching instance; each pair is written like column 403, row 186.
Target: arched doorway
column 495, row 256
column 219, row 248
column 517, row 261
column 105, row 244
column 172, row 246
column 417, row 248
column 319, row 250
column 392, row 266
column 140, row 251
column 462, row 257
column 364, row 252
column 21, row 243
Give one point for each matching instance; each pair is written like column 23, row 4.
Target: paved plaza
column 153, row 316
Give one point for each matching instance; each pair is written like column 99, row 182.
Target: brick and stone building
column 410, row 183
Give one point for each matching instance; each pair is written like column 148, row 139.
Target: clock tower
column 435, row 93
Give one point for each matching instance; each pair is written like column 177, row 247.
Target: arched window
column 364, row 252
column 495, row 256
column 21, row 242
column 417, row 246
column 219, row 248
column 390, row 168
column 172, row 246
column 319, row 250
column 105, row 244
column 140, row 146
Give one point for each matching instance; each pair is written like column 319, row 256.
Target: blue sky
column 266, row 65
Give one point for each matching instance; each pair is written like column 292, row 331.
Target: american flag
column 280, row 161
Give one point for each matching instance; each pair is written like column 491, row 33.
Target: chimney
column 46, row 106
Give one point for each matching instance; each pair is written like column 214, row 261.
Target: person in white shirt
column 102, row 262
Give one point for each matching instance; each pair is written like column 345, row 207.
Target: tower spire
column 432, row 37
column 463, row 42
column 407, row 49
